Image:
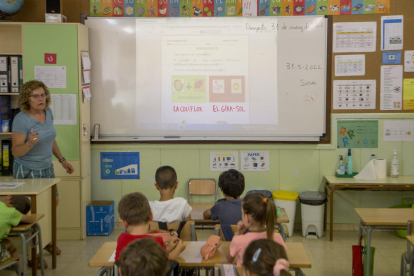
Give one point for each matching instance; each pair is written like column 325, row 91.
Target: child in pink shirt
column 259, row 216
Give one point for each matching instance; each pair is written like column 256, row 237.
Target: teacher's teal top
column 40, row 155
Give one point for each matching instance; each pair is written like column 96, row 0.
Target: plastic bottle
column 373, row 157
column 349, row 167
column 341, row 167
column 395, row 166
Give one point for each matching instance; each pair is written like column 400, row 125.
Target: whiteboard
column 117, row 104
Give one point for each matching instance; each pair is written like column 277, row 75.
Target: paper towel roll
column 381, row 168
column 368, row 172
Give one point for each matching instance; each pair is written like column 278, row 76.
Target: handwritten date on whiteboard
column 296, row 66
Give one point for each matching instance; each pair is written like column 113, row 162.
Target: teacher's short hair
column 27, row 90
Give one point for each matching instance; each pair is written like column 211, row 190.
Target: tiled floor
column 327, row 258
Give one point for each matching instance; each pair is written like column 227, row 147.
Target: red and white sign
column 50, row 58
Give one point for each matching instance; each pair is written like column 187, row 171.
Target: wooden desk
column 42, row 193
column 26, row 226
column 101, row 257
column 372, row 218
column 333, row 183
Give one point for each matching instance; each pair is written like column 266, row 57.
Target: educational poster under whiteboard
column 349, row 65
column 357, row 134
column 254, row 161
column 64, row 109
column 392, row 32
column 221, row 161
column 398, row 130
column 51, row 76
column 391, row 87
column 354, row 37
column 354, row 94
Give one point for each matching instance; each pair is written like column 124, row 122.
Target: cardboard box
column 55, row 18
column 100, row 218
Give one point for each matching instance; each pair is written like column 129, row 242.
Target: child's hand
column 241, row 228
column 172, row 244
column 180, row 246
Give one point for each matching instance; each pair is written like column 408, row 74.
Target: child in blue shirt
column 228, row 211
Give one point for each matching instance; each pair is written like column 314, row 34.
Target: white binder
column 14, row 74
column 4, row 80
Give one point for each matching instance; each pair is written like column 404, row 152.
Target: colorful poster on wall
column 254, row 161
column 219, row 8
column 357, row 134
column 221, row 161
column 120, row 165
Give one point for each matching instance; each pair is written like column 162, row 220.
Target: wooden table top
column 191, row 255
column 31, row 186
column 384, row 216
column 25, row 226
column 410, row 239
column 339, row 181
column 199, row 208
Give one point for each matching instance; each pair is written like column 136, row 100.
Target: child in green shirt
column 13, row 210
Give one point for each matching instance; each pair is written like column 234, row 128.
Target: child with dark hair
column 143, row 257
column 169, row 209
column 228, row 211
column 13, row 210
column 259, row 216
column 135, row 214
column 265, row 258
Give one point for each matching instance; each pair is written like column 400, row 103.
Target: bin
column 100, row 218
column 313, row 208
column 287, row 200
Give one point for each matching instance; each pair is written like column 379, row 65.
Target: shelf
column 9, row 94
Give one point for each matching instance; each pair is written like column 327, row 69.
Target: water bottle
column 395, row 166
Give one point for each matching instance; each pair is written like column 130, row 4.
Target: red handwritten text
column 189, row 108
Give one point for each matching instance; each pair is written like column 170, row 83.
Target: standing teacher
column 33, row 137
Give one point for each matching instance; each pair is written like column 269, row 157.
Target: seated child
column 13, row 210
column 259, row 216
column 135, row 213
column 265, row 257
column 168, row 209
column 231, row 183
column 143, row 257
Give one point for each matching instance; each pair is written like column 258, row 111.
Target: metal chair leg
column 24, row 253
column 403, row 268
column 39, row 235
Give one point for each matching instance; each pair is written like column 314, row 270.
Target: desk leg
column 368, row 264
column 34, row 255
column 331, row 214
column 411, row 263
column 54, row 226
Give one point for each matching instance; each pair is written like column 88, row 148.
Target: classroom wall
column 293, row 167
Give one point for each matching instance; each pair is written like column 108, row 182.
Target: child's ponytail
column 271, row 217
column 262, row 210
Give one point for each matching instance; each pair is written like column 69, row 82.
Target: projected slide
column 204, row 80
column 206, row 75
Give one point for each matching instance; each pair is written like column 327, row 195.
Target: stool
column 23, row 230
column 9, row 262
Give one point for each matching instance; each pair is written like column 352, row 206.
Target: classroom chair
column 188, row 232
column 407, row 256
column 202, row 186
column 219, row 232
column 10, row 262
column 27, row 233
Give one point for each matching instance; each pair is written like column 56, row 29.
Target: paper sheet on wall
column 355, row 94
column 392, row 32
column 86, row 62
column 86, row 89
column 398, row 130
column 64, row 109
column 51, row 76
column 408, row 95
column 221, row 161
column 391, row 87
column 254, row 161
column 357, row 134
column 354, row 37
column 409, row 61
column 349, row 65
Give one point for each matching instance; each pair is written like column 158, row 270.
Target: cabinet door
column 69, row 209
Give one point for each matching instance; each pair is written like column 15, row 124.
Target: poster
column 349, row 65
column 254, row 161
column 354, row 37
column 392, row 32
column 120, row 165
column 408, row 95
column 51, row 76
column 393, row 57
column 391, row 87
column 64, row 109
column 398, row 130
column 221, row 161
column 354, row 94
column 357, row 134
column 409, row 61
